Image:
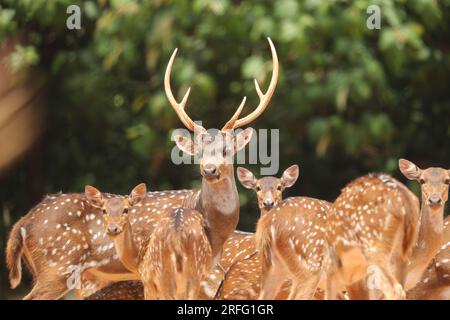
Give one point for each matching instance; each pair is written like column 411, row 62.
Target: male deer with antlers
column 434, row 183
column 372, row 229
column 68, row 222
column 290, row 236
column 219, row 201
column 176, row 257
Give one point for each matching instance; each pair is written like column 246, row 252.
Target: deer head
column 434, row 183
column 268, row 189
column 216, row 152
column 115, row 210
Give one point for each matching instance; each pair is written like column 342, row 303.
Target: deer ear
column 185, row 144
column 242, row 139
column 94, row 196
column 409, row 169
column 290, row 175
column 138, row 194
column 246, row 178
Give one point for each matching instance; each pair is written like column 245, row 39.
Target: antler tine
column 230, row 124
column 264, row 98
column 184, row 100
column 178, row 107
column 258, row 90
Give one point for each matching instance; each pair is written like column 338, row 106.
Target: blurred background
column 88, row 106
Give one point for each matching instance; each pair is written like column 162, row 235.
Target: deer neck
column 219, row 198
column 428, row 243
column 219, row 203
column 126, row 249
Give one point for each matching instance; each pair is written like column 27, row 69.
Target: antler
column 264, row 98
column 179, row 107
column 234, row 122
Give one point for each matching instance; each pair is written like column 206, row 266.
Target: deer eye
column 421, row 181
column 447, row 181
column 279, row 188
column 258, row 188
column 125, row 210
column 104, row 211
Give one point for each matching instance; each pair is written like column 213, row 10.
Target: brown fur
column 178, row 257
column 143, row 221
column 174, row 259
column 434, row 188
column 282, row 240
column 122, row 290
column 263, row 241
column 291, row 243
column 369, row 238
column 236, row 248
column 14, row 253
column 435, row 282
column 57, row 239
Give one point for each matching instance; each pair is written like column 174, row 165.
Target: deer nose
column 268, row 203
column 209, row 170
column 113, row 230
column 434, row 200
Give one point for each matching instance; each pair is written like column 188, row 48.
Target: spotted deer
column 177, row 255
column 59, row 239
column 434, row 183
column 371, row 232
column 243, row 276
column 435, row 281
column 237, row 248
column 242, row 279
column 290, row 236
column 68, row 221
column 219, row 200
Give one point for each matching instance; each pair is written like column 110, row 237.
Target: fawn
column 290, row 236
column 434, row 183
column 177, row 254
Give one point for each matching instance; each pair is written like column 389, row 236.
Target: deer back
column 178, row 252
column 296, row 227
column 374, row 216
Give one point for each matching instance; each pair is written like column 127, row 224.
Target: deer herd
column 376, row 241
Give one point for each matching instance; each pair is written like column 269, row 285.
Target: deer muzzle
column 210, row 171
column 113, row 230
column 268, row 203
column 434, row 201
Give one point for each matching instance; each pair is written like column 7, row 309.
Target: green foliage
column 349, row 100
